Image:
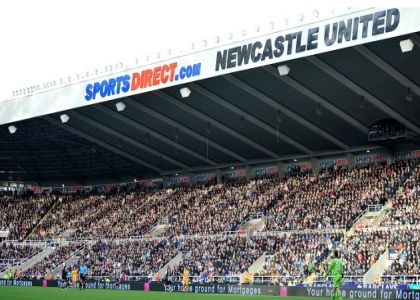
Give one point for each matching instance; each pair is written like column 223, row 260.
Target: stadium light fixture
column 232, row 168
column 406, row 45
column 12, row 129
column 120, row 106
column 283, row 70
column 367, row 151
column 176, row 174
column 185, row 92
column 295, row 160
column 64, row 118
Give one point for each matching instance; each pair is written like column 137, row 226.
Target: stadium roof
column 324, row 105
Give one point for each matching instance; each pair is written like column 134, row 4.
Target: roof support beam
column 291, row 114
column 127, row 139
column 249, row 117
column 190, row 132
column 286, row 158
column 103, row 144
column 416, row 39
column 360, row 91
column 317, row 99
column 215, row 123
column 155, row 134
column 390, row 70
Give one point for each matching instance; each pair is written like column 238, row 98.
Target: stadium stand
column 20, row 213
column 306, row 215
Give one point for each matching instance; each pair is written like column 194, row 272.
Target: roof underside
column 238, row 118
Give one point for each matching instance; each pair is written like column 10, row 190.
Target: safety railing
column 277, row 279
column 251, row 216
column 400, row 279
column 41, row 243
column 10, row 262
column 346, row 279
column 17, row 262
column 374, row 208
column 334, row 229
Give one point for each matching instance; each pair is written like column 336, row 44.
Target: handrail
column 335, row 229
column 346, row 278
column 400, row 279
column 28, row 242
column 375, row 208
column 251, row 216
column 11, row 262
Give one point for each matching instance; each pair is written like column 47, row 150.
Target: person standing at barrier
column 336, row 269
column 83, row 272
column 185, row 280
column 74, row 275
column 63, row 277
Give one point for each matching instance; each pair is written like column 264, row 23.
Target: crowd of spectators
column 10, row 251
column 298, row 254
column 196, row 215
column 364, row 248
column 333, row 197
column 406, row 204
column 222, row 207
column 45, row 267
column 407, row 242
column 219, row 255
column 19, row 213
column 140, row 258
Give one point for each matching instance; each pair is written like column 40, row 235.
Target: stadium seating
column 294, row 253
column 306, row 215
column 17, row 251
column 320, row 200
column 408, row 262
column 20, row 213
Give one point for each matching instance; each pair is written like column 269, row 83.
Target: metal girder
column 317, row 99
column 360, row 91
column 103, row 144
column 285, row 158
column 249, row 117
column 155, row 134
column 127, row 139
column 390, row 70
column 215, row 123
column 190, row 132
column 291, row 114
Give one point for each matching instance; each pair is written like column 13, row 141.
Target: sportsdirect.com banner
column 339, row 32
